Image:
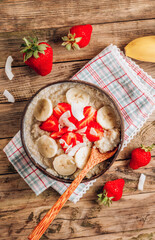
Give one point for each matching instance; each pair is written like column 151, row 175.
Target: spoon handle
column 52, row 213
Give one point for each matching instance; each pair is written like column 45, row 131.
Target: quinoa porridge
column 63, row 122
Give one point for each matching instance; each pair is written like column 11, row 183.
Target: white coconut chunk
column 77, row 110
column 93, row 132
column 141, row 182
column 9, row 96
column 8, row 69
column 64, row 121
column 74, row 149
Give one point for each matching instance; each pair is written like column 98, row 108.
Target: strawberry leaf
column 148, row 148
column 68, row 46
column 42, row 47
column 35, row 54
column 76, row 46
column 28, row 43
column 27, row 55
column 78, row 39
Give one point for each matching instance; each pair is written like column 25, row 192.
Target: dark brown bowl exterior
column 110, row 160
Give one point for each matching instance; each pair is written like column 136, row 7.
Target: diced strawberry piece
column 56, row 135
column 60, row 109
column 94, row 132
column 90, row 114
column 69, row 140
column 50, row 125
column 68, row 120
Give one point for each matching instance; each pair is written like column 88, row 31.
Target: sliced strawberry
column 69, row 140
column 68, row 120
column 50, row 125
column 56, row 135
column 60, row 109
column 90, row 114
column 94, row 131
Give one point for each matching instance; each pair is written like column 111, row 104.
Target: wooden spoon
column 95, row 158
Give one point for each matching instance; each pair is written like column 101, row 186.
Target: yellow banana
column 142, row 49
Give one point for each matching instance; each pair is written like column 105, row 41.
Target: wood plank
column 42, row 14
column 119, row 33
column 25, row 78
column 132, row 213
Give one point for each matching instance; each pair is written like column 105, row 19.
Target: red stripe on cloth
column 29, row 164
column 30, row 173
column 14, row 152
column 115, row 80
column 133, row 100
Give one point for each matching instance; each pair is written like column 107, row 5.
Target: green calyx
column 31, row 47
column 71, row 42
column 104, row 199
column 147, row 149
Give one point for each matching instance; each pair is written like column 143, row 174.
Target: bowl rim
column 113, row 157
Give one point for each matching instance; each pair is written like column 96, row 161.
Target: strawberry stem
column 104, row 199
column 147, row 149
column 71, row 41
column 32, row 47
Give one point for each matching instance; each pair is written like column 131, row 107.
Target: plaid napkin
column 132, row 89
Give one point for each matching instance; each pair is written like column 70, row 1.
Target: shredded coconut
column 9, row 96
column 141, row 182
column 8, row 69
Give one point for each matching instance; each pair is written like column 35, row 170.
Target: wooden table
column 117, row 22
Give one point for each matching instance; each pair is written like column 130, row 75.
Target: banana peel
column 142, row 49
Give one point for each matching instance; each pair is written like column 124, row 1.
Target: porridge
column 64, row 121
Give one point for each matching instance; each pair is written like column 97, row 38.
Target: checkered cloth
column 132, row 89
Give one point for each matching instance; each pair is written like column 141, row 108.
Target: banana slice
column 43, row 109
column 106, row 117
column 47, row 146
column 82, row 156
column 77, row 96
column 64, row 165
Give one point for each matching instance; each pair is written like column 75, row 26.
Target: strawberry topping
column 69, row 140
column 56, row 135
column 94, row 132
column 50, row 125
column 90, row 114
column 60, row 109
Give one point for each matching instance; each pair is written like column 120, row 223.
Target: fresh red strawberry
column 112, row 191
column 69, row 140
column 94, row 132
column 90, row 114
column 50, row 125
column 140, row 156
column 56, row 135
column 60, row 109
column 38, row 55
column 78, row 37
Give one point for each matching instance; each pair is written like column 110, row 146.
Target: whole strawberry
column 112, row 191
column 38, row 55
column 140, row 156
column 78, row 37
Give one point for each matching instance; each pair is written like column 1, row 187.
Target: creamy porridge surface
column 32, row 132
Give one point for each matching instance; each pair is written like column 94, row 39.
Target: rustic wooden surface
column 118, row 22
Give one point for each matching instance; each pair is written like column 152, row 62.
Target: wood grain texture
column 120, row 33
column 26, row 82
column 117, row 22
column 32, row 14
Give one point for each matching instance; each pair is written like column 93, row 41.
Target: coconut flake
column 93, row 132
column 64, row 121
column 77, row 110
column 82, row 130
column 8, row 70
column 141, row 182
column 75, row 149
column 9, row 96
